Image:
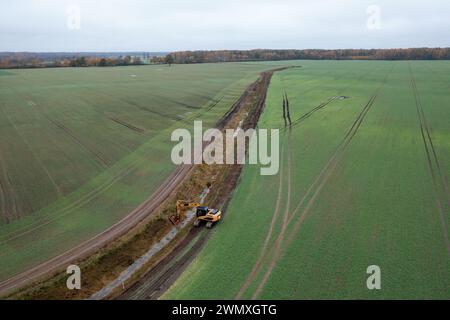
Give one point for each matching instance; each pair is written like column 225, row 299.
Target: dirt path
column 94, row 244
column 136, row 216
column 143, row 211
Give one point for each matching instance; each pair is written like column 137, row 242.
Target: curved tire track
column 317, row 187
column 263, row 251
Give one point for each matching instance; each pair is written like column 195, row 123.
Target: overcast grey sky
column 148, row 25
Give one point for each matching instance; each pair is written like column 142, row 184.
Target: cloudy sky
column 148, row 25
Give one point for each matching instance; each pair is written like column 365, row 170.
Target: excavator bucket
column 175, row 220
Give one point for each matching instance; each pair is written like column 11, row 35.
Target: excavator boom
column 204, row 214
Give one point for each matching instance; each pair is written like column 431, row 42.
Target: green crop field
column 363, row 181
column 81, row 148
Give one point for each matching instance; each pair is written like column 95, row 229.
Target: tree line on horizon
column 21, row 61
column 183, row 57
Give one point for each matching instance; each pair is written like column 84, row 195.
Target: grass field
column 364, row 181
column 81, row 148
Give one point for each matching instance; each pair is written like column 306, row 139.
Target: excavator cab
column 203, row 214
column 202, row 211
column 208, row 215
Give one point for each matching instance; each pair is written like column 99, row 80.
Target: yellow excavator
column 203, row 214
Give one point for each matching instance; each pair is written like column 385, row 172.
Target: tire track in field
column 432, row 159
column 3, row 209
column 263, row 251
column 76, row 204
column 79, row 202
column 343, row 144
column 25, row 141
column 83, row 200
column 214, row 104
column 258, row 264
column 323, row 105
column 9, row 205
column 97, row 154
column 141, row 212
column 424, row 125
column 127, row 125
column 443, row 174
column 311, row 112
column 101, row 239
column 278, row 242
column 318, row 185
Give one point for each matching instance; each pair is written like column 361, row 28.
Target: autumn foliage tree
column 169, row 60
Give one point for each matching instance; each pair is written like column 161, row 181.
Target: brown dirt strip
column 161, row 276
column 431, row 158
column 167, row 270
column 138, row 215
column 157, row 280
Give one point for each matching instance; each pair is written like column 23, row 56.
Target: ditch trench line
column 322, row 179
column 134, row 218
column 431, row 157
column 154, row 283
column 155, row 249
